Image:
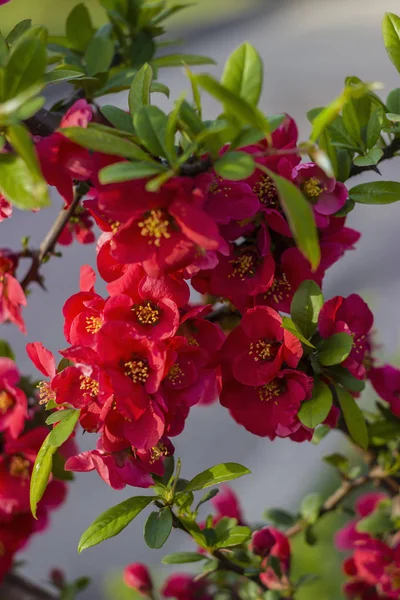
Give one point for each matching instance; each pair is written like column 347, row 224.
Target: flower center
column 280, row 289
column 242, row 267
column 155, row 226
column 263, row 350
column 6, row 402
column 269, row 391
column 312, row 187
column 137, row 369
column 266, row 192
column 89, row 386
column 146, row 314
column 45, row 392
column 175, row 374
column 93, row 324
column 158, row 452
column 19, row 467
column 6, row 265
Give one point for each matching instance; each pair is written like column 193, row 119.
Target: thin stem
column 48, row 244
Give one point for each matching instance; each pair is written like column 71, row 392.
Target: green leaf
column 160, row 88
column 21, row 141
column 142, row 49
column 279, row 517
column 310, row 508
column 197, row 534
column 20, row 186
column 314, row 411
column 374, row 127
column 18, row 30
column 170, row 131
column 353, row 417
column 113, row 521
column 6, row 350
column 376, row 192
column 338, row 461
column 99, row 54
column 301, row 218
column 127, row 171
column 58, row 75
column 289, row 325
column 150, row 124
column 235, row 536
column 40, row 474
column 117, row 117
column 178, row 60
column 391, row 37
column 320, row 433
column 372, row 157
column 306, row 306
column 79, row 27
column 180, row 558
column 335, row 349
column 234, row 106
column 378, row 522
column 216, row 475
column 25, row 67
column 139, row 94
column 3, row 51
column 235, row 166
column 346, row 379
column 63, row 430
column 102, row 141
column 352, row 123
column 393, row 101
column 243, row 73
column 158, row 528
column 59, row 415
column 207, row 496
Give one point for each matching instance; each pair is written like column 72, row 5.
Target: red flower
column 386, row 381
column 79, row 226
column 262, row 542
column 12, row 296
column 185, row 587
column 13, row 402
column 282, row 551
column 350, row 315
column 257, row 348
column 137, row 576
column 62, row 161
column 269, row 409
column 326, row 194
column 5, row 208
column 228, row 200
column 335, row 240
column 227, row 504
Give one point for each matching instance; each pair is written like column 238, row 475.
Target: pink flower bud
column 57, row 578
column 137, row 576
column 262, row 542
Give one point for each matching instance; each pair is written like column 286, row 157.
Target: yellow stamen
column 90, row 386
column 146, row 314
column 266, row 192
column 175, row 374
column 158, row 452
column 93, row 324
column 6, row 402
column 19, row 467
column 137, row 370
column 269, row 391
column 261, row 350
column 280, row 289
column 243, row 267
column 312, row 187
column 45, row 392
column 155, row 226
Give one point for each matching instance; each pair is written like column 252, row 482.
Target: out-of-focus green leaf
column 243, row 73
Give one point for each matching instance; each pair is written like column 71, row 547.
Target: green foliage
column 310, row 508
column 279, row 517
column 235, row 166
column 306, row 306
column 113, row 521
column 158, row 528
column 289, row 325
column 353, row 417
column 335, row 349
column 215, row 475
column 378, row 522
column 243, row 73
column 6, row 350
column 179, row 558
column 314, row 411
column 79, row 27
column 376, row 192
column 391, row 37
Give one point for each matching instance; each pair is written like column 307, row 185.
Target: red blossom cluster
column 373, row 569
column 20, row 440
column 143, row 356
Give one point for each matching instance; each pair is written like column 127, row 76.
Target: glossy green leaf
column 99, row 54
column 18, row 30
column 79, row 27
column 40, row 474
column 170, row 130
column 59, row 415
column 180, row 558
column 289, row 325
column 22, row 188
column 207, row 496
column 306, row 306
column 126, row 171
column 58, row 75
column 216, row 475
column 142, row 49
column 372, row 157
column 311, row 507
column 235, row 166
column 393, row 101
column 157, row 528
column 160, row 88
column 3, row 50
column 314, row 411
column 100, row 141
column 353, row 417
column 335, row 349
column 178, row 60
column 376, row 192
column 233, row 104
column 6, row 350
column 236, row 536
column 391, row 37
column 346, row 379
column 113, row 521
column 139, row 94
column 374, row 128
column 118, row 117
column 25, row 67
column 21, row 140
column 150, row 124
column 300, row 217
column 196, row 533
column 63, row 429
column 243, row 73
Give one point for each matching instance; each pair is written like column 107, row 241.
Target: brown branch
column 16, row 587
column 389, row 152
column 49, row 242
column 44, row 122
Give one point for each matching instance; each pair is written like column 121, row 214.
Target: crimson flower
column 386, row 381
column 185, row 587
column 13, row 402
column 137, row 576
column 326, row 194
column 5, row 208
column 12, row 296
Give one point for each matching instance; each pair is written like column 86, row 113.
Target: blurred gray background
column 308, row 48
